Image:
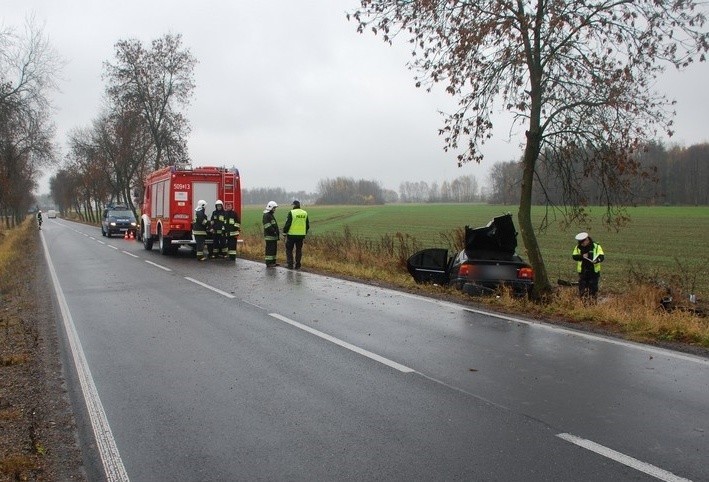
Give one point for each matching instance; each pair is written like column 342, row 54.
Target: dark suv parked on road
column 117, row 220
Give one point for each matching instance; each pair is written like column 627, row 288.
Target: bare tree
column 123, row 141
column 157, row 83
column 577, row 75
column 28, row 71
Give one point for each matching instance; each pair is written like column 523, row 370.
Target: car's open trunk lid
column 498, row 237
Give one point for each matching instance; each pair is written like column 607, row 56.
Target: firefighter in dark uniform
column 588, row 256
column 295, row 229
column 218, row 222
column 271, row 234
column 232, row 229
column 200, row 223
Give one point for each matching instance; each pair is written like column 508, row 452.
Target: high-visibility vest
column 298, row 222
column 595, row 252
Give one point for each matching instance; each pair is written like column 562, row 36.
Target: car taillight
column 464, row 270
column 525, row 273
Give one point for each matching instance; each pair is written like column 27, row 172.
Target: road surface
column 216, row 370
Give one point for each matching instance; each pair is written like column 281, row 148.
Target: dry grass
column 635, row 312
column 18, row 451
column 17, row 466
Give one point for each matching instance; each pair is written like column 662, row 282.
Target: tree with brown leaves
column 577, row 75
column 156, row 83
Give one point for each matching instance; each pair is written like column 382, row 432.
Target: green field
column 669, row 244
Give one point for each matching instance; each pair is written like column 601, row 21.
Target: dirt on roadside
column 39, row 440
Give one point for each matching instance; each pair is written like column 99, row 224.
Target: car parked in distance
column 51, row 214
column 117, row 220
column 487, row 264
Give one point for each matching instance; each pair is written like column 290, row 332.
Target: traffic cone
column 131, row 236
column 125, row 236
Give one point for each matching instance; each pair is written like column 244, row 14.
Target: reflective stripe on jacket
column 270, row 227
column 232, row 226
column 200, row 223
column 218, row 220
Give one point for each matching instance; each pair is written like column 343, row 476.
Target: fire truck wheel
column 147, row 239
column 165, row 243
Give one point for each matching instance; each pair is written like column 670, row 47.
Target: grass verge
column 18, row 458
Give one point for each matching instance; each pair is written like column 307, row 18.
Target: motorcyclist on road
column 39, row 218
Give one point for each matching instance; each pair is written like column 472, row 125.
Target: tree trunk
column 542, row 287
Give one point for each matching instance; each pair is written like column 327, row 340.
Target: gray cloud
column 287, row 91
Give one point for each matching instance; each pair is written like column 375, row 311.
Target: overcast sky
column 287, row 91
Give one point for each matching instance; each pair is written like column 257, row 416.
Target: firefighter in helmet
column 218, row 221
column 271, row 233
column 231, row 229
column 200, row 223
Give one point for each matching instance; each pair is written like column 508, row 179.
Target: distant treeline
column 674, row 176
column 263, row 195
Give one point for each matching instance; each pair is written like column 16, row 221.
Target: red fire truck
column 170, row 196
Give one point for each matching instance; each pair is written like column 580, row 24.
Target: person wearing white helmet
column 39, row 218
column 271, row 234
column 588, row 256
column 218, row 220
column 200, row 223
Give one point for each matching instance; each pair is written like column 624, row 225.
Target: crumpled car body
column 487, row 264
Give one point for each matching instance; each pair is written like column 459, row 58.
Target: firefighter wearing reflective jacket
column 200, row 223
column 588, row 256
column 218, row 222
column 231, row 229
column 271, row 234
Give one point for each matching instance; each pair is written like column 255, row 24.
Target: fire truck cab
column 170, row 197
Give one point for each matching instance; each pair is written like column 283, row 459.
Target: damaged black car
column 488, row 263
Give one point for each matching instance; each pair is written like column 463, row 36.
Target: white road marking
column 105, row 443
column 113, row 247
column 344, row 344
column 158, row 266
column 254, row 305
column 636, row 464
column 101, row 241
column 130, row 254
column 216, row 290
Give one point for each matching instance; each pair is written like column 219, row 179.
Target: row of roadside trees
column 140, row 129
column 28, row 71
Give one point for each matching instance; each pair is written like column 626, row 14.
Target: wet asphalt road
column 229, row 371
